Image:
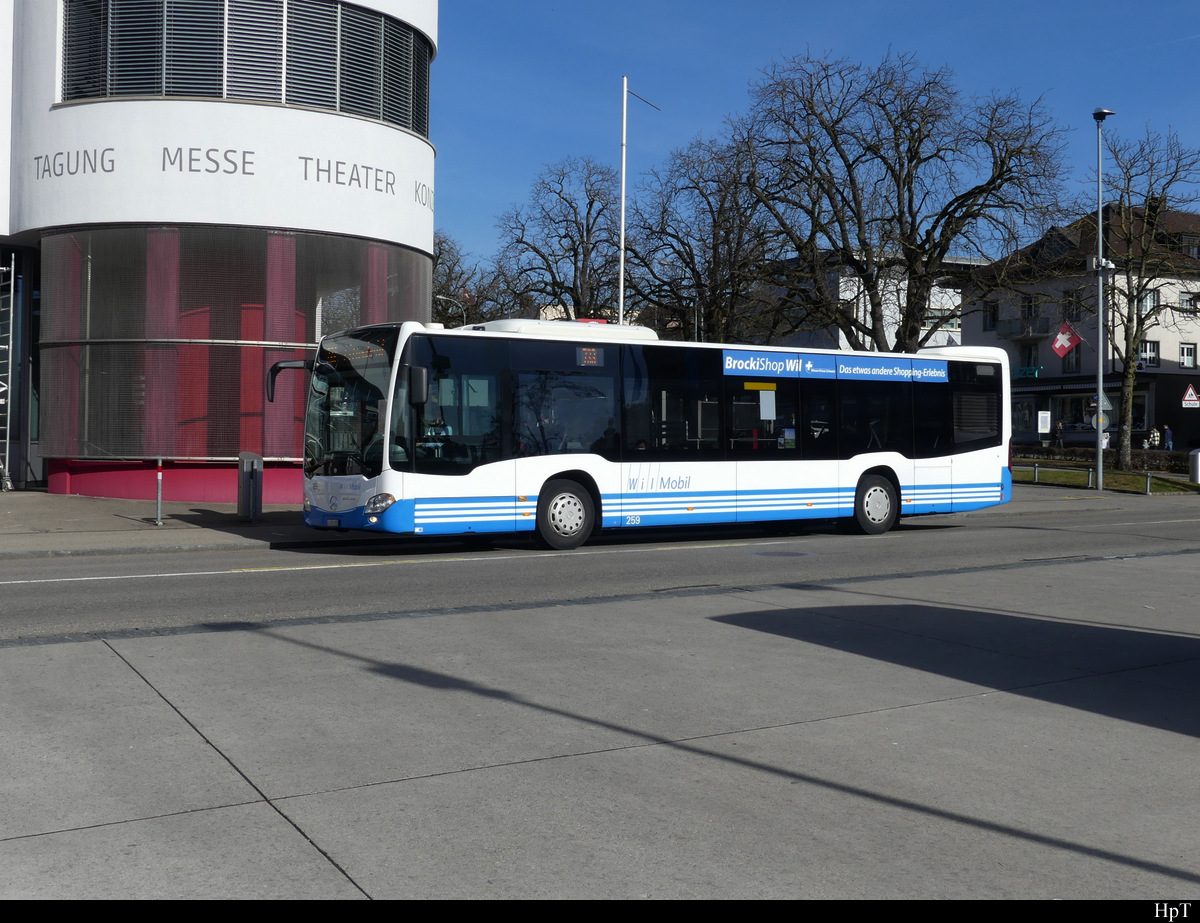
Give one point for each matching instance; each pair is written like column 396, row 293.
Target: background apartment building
column 1052, row 283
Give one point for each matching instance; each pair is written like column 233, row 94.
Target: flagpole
column 625, row 93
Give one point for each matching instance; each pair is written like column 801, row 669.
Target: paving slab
column 317, row 707
column 242, row 852
column 87, row 742
column 945, row 800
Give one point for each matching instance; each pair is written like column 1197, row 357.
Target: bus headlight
column 378, row 503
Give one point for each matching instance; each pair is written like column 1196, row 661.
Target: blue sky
column 518, row 84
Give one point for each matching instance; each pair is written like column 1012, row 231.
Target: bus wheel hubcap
column 566, row 514
column 876, row 505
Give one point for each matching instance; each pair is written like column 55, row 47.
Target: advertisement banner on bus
column 753, row 363
column 748, row 363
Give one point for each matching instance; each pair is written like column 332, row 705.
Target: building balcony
column 1019, row 328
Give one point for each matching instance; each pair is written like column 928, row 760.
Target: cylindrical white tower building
column 207, row 187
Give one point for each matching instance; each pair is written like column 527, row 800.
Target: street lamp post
column 449, row 300
column 1101, row 417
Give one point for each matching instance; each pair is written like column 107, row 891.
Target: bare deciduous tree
column 560, row 249
column 455, row 281
column 703, row 247
column 884, row 174
column 1154, row 243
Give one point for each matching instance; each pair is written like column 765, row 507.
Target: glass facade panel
column 156, row 341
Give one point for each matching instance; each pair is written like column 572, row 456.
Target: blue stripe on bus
column 725, row 506
column 455, row 515
column 447, row 515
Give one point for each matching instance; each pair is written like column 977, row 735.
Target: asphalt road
column 98, row 595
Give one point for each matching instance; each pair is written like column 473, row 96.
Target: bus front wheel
column 876, row 505
column 565, row 516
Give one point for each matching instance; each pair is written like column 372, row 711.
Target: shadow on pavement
column 994, row 650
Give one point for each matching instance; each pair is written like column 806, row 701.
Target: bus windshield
column 343, row 429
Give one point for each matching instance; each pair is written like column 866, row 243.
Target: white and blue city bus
column 562, row 428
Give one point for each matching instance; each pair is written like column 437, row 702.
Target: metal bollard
column 250, row 487
column 158, row 502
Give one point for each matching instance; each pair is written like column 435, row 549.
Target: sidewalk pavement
column 35, row 523
column 909, row 737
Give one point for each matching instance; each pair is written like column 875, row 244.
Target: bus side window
column 932, row 420
column 818, row 429
column 761, row 417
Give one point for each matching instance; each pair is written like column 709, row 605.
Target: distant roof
column 1165, row 237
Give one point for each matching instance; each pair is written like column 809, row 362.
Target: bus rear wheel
column 566, row 515
column 876, row 505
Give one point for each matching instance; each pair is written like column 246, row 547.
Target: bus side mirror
column 279, row 367
column 418, row 386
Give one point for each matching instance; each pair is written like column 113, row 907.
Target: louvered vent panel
column 422, row 57
column 337, row 56
column 312, row 29
column 135, row 46
column 397, row 73
column 362, row 54
column 85, row 59
column 195, row 39
column 255, row 50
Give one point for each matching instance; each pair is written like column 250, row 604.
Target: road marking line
column 423, row 559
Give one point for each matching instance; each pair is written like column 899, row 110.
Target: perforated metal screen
column 156, row 341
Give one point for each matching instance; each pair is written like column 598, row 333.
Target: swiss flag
column 1066, row 340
